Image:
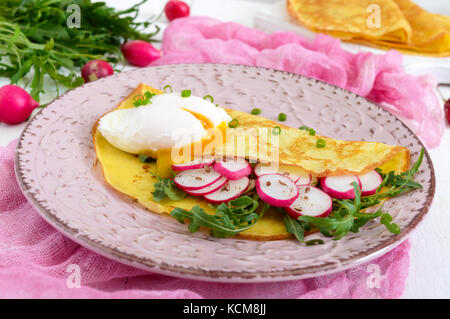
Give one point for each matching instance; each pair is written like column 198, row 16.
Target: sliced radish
column 370, row 182
column 340, row 186
column 208, row 189
column 262, row 169
column 231, row 190
column 276, row 189
column 311, row 201
column 296, row 173
column 233, row 169
column 195, row 179
column 195, row 164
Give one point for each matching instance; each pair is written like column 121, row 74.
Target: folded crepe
column 402, row 24
column 127, row 174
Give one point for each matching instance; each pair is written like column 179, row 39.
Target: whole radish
column 96, row 69
column 140, row 53
column 176, row 9
column 16, row 105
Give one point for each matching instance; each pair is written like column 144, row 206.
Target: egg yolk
column 215, row 136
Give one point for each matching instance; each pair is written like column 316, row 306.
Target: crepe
column 402, row 24
column 128, row 175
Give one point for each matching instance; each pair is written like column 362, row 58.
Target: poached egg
column 169, row 121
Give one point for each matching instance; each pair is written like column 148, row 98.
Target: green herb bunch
column 34, row 37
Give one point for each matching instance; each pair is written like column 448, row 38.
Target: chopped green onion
column 255, row 111
column 321, row 143
column 276, row 130
column 282, row 117
column 306, row 128
column 233, row 123
column 209, row 97
column 186, row 93
column 143, row 99
column 167, row 87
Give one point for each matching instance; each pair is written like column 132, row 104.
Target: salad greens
column 35, row 39
column 347, row 215
column 230, row 219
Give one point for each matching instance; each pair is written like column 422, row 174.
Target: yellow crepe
column 128, row 175
column 402, row 25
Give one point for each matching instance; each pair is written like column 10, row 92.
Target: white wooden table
column 429, row 275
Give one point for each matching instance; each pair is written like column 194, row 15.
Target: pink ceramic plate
column 56, row 167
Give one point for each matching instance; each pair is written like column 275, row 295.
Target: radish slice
column 276, row 189
column 208, row 189
column 231, row 190
column 370, row 182
column 340, row 187
column 262, row 169
column 311, row 201
column 233, row 169
column 297, row 174
column 195, row 179
column 195, row 164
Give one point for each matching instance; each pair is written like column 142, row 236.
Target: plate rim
column 228, row 276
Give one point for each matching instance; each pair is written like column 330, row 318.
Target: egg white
column 161, row 125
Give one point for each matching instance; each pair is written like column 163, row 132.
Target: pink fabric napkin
column 36, row 261
column 380, row 78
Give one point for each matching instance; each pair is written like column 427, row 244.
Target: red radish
column 311, row 201
column 296, row 173
column 340, row 187
column 195, row 164
column 233, row 169
column 195, row 179
column 276, row 190
column 16, row 105
column 370, row 182
column 208, row 189
column 262, row 169
column 176, row 9
column 140, row 53
column 231, row 190
column 96, row 69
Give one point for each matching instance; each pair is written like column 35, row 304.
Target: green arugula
column 35, row 40
column 230, row 218
column 166, row 187
column 347, row 216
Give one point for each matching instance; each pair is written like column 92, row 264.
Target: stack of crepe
column 399, row 24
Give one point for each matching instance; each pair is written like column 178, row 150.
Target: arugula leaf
column 166, row 187
column 230, row 218
column 347, row 216
column 35, row 40
column 297, row 229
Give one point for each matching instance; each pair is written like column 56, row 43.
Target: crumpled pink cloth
column 35, row 262
column 380, row 78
